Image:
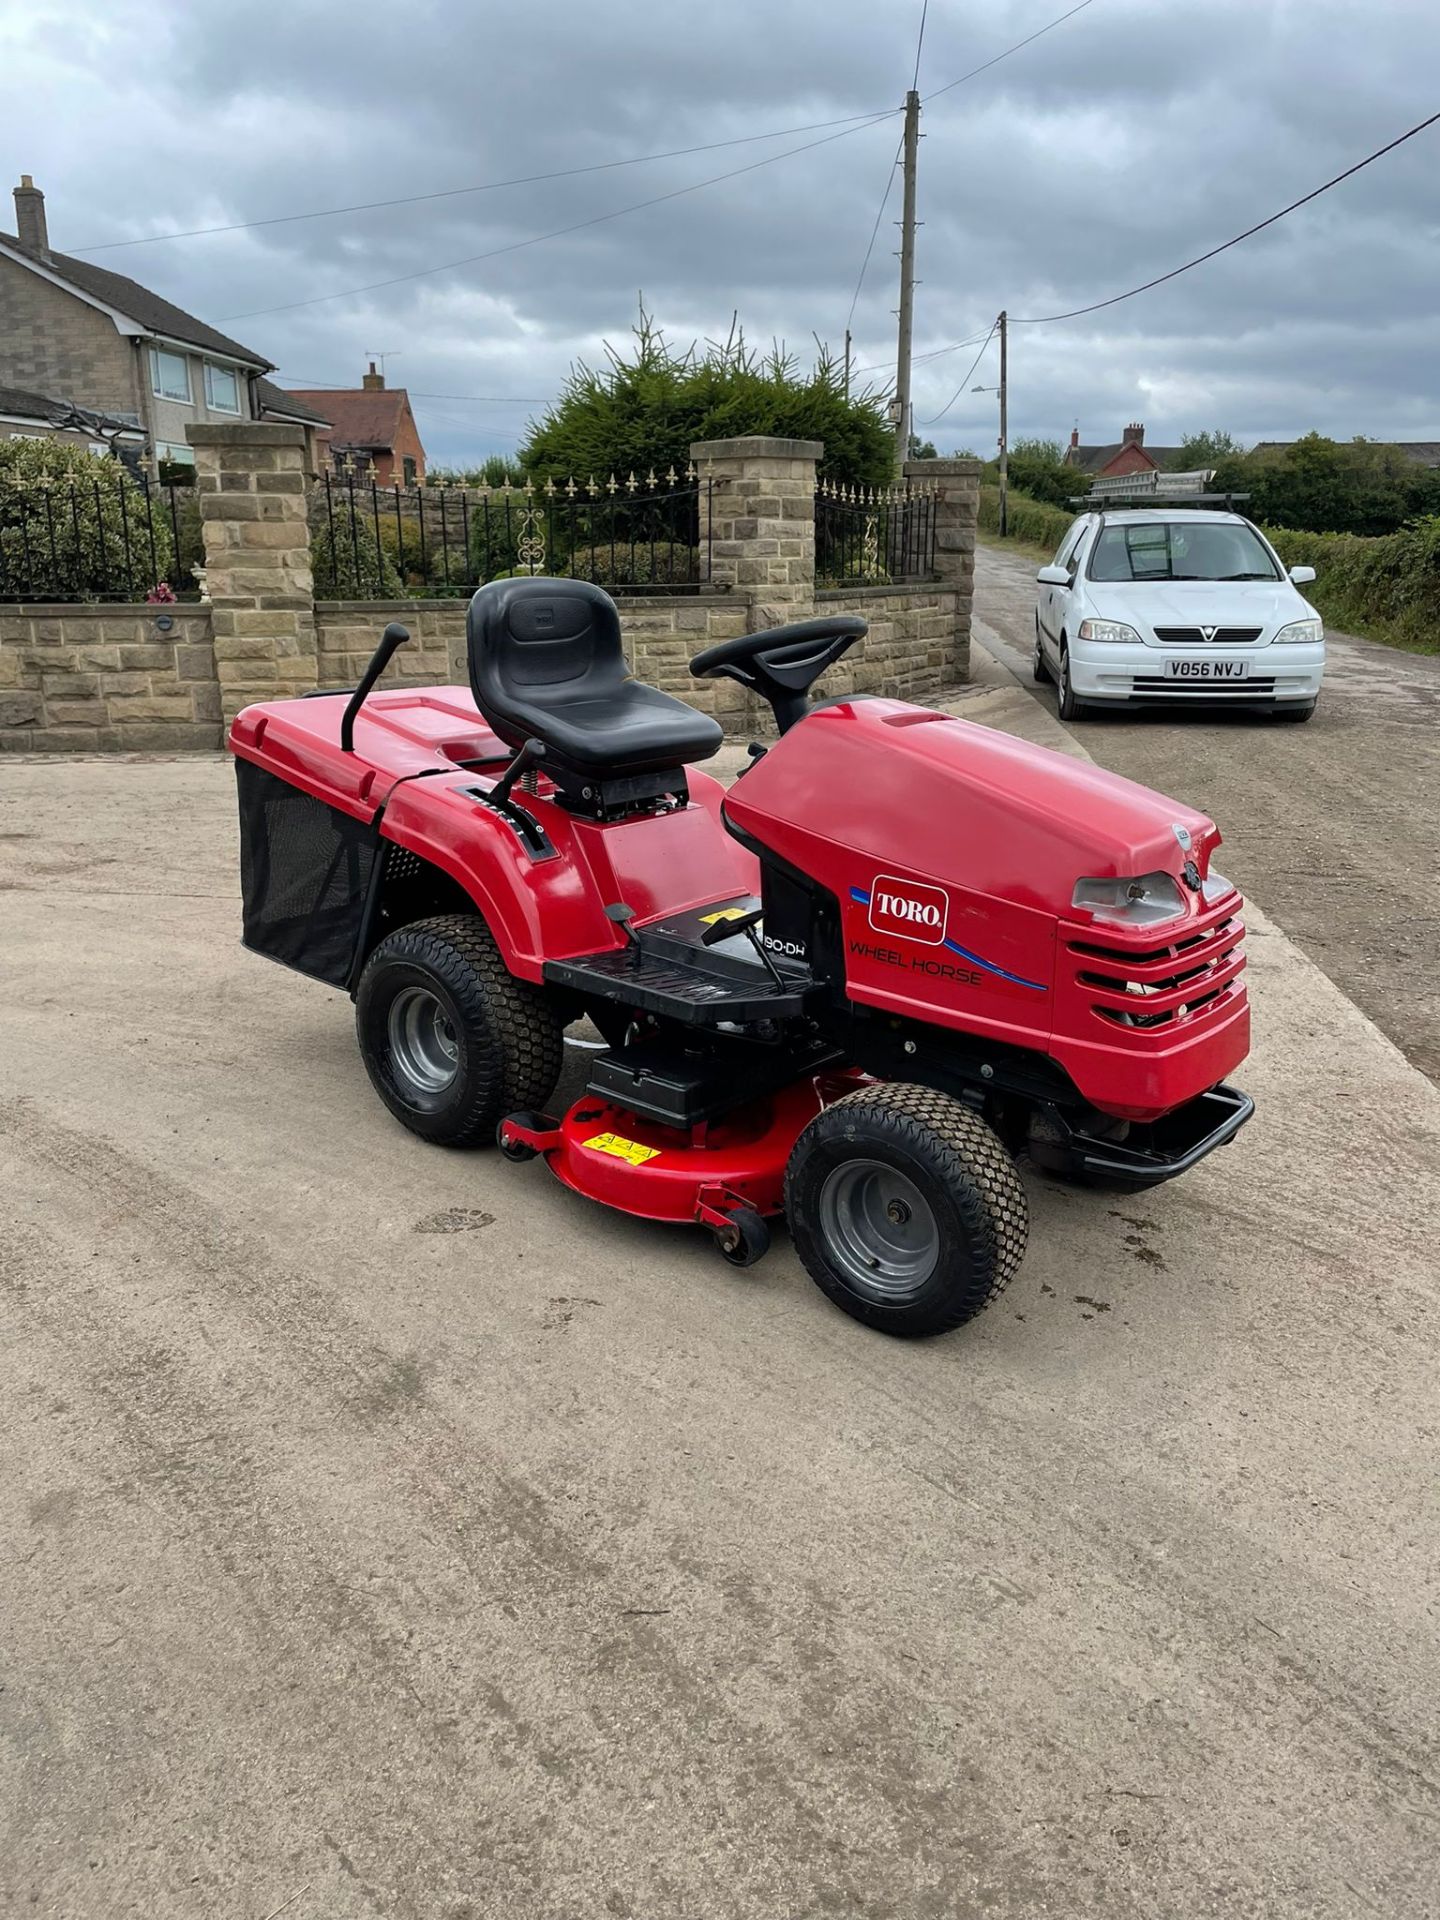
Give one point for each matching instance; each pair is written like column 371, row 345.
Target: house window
column 176, row 453
column 409, row 471
column 169, row 374
column 222, row 389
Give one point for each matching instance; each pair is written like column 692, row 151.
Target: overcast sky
column 1134, row 135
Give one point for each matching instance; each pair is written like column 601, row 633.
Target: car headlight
column 1112, row 633
column 1138, row 902
column 1301, row 633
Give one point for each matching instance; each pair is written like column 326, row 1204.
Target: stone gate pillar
column 757, row 516
column 956, row 485
column 251, row 481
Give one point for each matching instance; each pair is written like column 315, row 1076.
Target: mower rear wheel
column 452, row 1041
column 905, row 1208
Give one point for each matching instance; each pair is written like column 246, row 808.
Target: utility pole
column 847, row 363
column 907, row 282
column 1004, row 431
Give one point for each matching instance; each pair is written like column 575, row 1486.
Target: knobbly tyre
column 901, row 951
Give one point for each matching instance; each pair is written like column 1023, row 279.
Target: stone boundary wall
column 102, row 679
column 83, row 678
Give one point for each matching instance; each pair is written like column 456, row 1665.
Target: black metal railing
column 873, row 536
column 634, row 536
column 110, row 536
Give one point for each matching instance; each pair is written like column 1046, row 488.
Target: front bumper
column 1274, row 675
column 1151, row 1151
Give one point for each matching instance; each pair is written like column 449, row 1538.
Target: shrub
column 404, row 548
column 644, row 411
column 1387, row 587
column 1028, row 520
column 350, row 565
column 617, row 567
column 76, row 526
column 1035, row 468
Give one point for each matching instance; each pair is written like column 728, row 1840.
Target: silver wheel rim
column 423, row 1048
column 879, row 1230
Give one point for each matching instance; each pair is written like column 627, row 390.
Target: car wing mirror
column 1053, row 577
column 1302, row 576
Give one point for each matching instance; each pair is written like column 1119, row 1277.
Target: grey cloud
column 1128, row 139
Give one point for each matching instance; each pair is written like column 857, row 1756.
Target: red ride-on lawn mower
column 899, row 952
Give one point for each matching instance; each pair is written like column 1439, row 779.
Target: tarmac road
column 388, row 1532
column 1334, row 826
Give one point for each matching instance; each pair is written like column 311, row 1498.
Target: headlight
column 1132, row 903
column 1301, row 633
column 1215, row 888
column 1113, row 633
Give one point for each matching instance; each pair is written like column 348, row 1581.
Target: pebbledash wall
column 103, row 678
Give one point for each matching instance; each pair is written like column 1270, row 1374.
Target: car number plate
column 1206, row 669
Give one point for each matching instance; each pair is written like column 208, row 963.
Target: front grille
column 1162, row 986
column 1218, row 637
column 1152, row 685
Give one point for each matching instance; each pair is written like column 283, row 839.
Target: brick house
column 371, row 428
column 1125, row 456
column 82, row 338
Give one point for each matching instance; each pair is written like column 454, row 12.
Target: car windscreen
column 1181, row 550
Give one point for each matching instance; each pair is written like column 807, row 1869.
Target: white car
column 1160, row 607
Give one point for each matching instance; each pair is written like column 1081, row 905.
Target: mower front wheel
column 451, row 1040
column 905, row 1208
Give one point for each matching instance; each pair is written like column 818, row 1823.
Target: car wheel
column 1066, row 705
column 451, row 1040
column 1039, row 672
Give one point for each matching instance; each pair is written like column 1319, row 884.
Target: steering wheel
column 782, row 663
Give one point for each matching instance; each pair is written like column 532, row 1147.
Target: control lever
column 745, row 923
column 393, row 638
column 622, row 915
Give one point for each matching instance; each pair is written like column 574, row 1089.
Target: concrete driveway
column 387, row 1532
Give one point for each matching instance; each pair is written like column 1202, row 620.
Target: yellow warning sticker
column 622, row 1149
column 725, row 913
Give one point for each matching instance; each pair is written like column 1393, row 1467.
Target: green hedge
column 1029, row 520
column 1385, row 586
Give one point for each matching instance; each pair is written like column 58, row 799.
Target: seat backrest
column 541, row 642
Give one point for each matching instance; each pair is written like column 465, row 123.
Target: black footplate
column 682, row 1088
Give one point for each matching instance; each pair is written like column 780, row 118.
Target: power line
column 882, row 366
column 1039, row 31
column 874, row 233
column 1047, row 319
column 485, row 186
column 937, row 418
column 557, row 233
column 919, row 43
column 480, row 399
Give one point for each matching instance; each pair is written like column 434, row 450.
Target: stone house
column 1127, row 455
column 83, row 338
column 372, row 430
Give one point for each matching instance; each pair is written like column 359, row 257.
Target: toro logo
column 907, row 908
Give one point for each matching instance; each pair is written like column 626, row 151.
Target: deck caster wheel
column 905, row 1208
column 518, row 1151
column 744, row 1239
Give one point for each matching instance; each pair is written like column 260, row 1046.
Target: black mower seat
column 546, row 662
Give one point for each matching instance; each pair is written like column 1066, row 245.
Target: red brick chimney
column 1134, row 435
column 30, row 216
column 1074, row 437
column 373, row 382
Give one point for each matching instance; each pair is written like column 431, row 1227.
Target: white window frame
column 233, row 375
column 178, row 452
column 157, row 354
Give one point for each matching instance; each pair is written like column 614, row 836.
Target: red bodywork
column 953, row 851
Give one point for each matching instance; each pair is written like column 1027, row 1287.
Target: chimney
column 1134, row 435
column 30, row 216
column 373, row 382
column 1075, row 437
